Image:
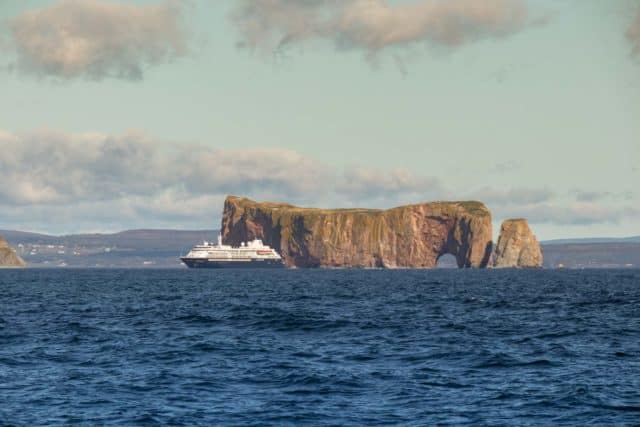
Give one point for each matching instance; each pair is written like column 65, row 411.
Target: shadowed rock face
column 8, row 257
column 412, row 236
column 517, row 246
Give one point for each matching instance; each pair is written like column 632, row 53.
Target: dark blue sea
column 319, row 347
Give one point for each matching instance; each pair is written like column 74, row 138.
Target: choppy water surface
column 188, row 347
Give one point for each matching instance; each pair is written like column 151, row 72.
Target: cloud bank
column 388, row 187
column 374, row 25
column 93, row 179
column 573, row 213
column 49, row 167
column 69, row 182
column 97, row 39
column 543, row 206
column 513, row 196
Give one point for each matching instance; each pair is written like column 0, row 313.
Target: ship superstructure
column 252, row 254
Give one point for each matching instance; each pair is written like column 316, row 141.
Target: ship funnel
column 219, row 239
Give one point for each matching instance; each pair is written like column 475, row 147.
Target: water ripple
column 184, row 347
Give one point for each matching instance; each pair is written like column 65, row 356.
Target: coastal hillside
column 412, row 236
column 591, row 240
column 129, row 249
column 592, row 255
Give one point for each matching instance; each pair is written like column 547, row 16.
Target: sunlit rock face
column 517, row 246
column 413, row 236
column 8, row 257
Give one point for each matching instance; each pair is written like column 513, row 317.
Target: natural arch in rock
column 446, row 261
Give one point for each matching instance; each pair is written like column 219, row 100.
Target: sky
column 145, row 114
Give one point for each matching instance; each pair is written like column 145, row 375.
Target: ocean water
column 312, row 347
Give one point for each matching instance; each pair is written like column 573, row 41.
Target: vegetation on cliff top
column 513, row 221
column 472, row 207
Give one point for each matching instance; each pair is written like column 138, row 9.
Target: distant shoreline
column 160, row 249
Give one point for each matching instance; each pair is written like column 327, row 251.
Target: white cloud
column 505, row 167
column 590, row 196
column 511, row 196
column 239, row 171
column 98, row 39
column 544, row 206
column 388, row 187
column 374, row 25
column 56, row 167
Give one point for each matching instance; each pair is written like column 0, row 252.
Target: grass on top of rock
column 514, row 220
column 474, row 207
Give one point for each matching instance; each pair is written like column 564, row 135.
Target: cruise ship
column 252, row 254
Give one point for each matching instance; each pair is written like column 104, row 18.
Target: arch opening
column 446, row 261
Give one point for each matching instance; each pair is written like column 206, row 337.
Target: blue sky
column 117, row 115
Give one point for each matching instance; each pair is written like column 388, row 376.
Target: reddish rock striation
column 413, row 236
column 517, row 246
column 8, row 257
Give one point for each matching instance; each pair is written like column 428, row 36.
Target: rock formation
column 517, row 246
column 8, row 257
column 413, row 236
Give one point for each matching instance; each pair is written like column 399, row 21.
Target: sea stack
column 413, row 236
column 8, row 257
column 517, row 246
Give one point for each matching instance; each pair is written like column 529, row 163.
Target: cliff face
column 412, row 236
column 517, row 246
column 8, row 257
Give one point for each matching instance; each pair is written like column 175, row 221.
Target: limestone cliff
column 8, row 257
column 413, row 236
column 517, row 246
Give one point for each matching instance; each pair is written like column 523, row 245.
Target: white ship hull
column 248, row 263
